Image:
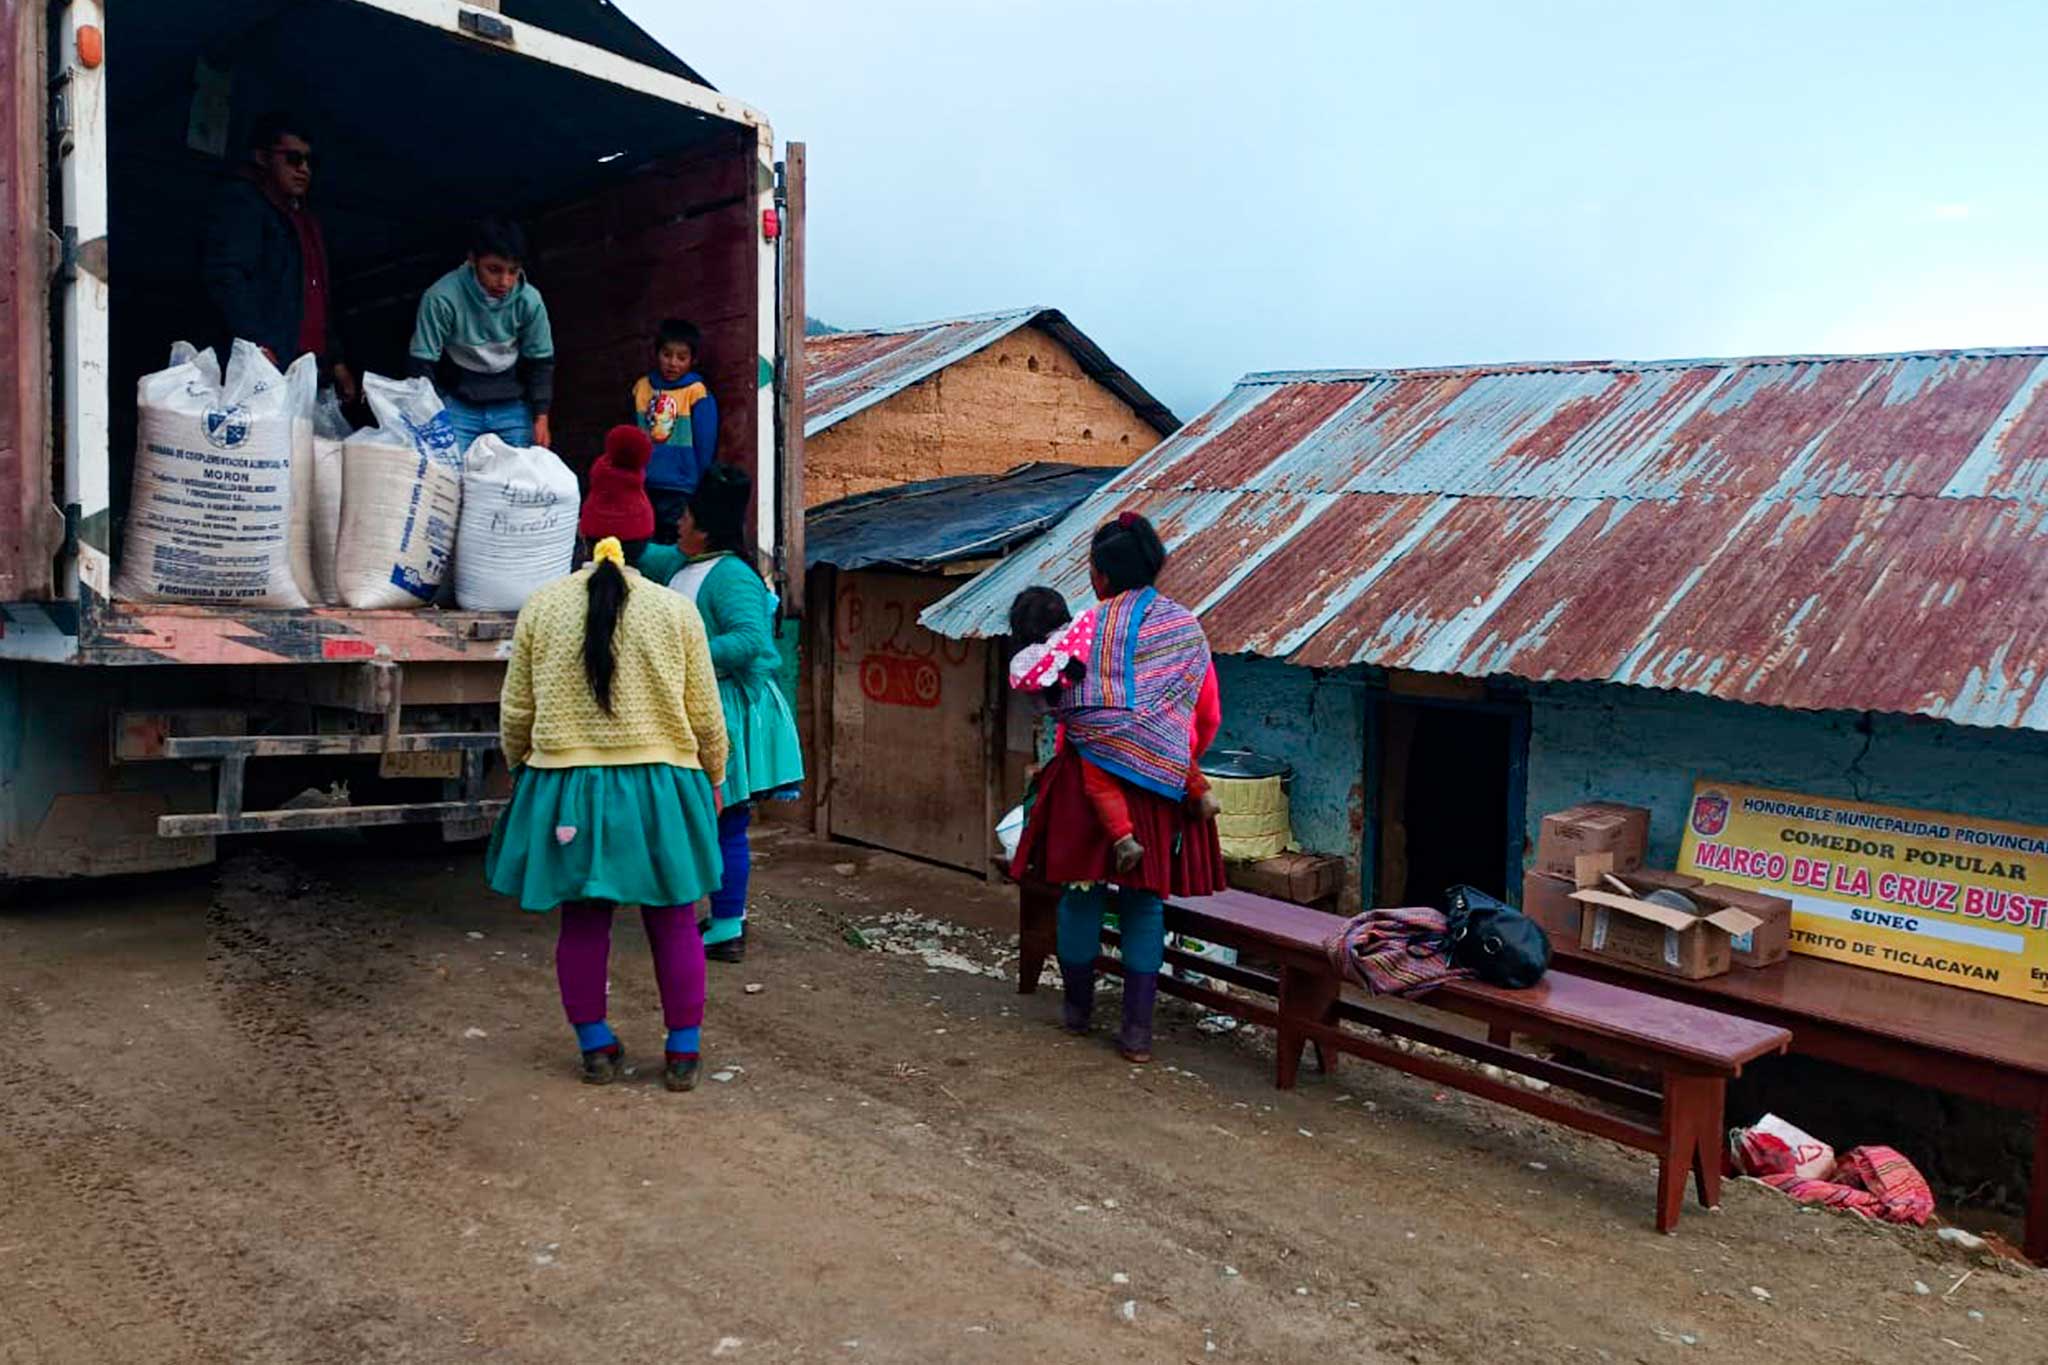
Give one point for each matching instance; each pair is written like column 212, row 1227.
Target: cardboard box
column 1659, row 938
column 1595, row 827
column 1547, row 897
column 1771, row 941
column 1303, row 878
column 1644, row 880
column 1548, row 900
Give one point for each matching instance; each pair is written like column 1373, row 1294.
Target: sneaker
column 681, row 1073
column 601, row 1064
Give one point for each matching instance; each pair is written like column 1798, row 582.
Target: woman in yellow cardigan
column 612, row 724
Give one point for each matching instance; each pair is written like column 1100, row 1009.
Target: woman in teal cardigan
column 709, row 565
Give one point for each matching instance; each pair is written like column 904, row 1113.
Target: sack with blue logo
column 401, row 498
column 211, row 511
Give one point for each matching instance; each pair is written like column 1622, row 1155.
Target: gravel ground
column 319, row 1106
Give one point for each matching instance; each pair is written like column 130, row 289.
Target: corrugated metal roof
column 928, row 525
column 848, row 372
column 1817, row 532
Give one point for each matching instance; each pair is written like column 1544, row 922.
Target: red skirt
column 1065, row 844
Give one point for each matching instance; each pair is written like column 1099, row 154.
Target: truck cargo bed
column 144, row 633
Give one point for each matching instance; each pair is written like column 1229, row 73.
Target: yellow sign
column 1940, row 897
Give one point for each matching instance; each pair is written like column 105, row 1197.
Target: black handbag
column 1497, row 943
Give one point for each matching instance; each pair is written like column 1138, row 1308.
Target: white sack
column 302, row 513
column 400, row 500
column 301, row 383
column 1009, row 831
column 325, row 516
column 519, row 507
column 328, row 419
column 1813, row 1159
column 210, row 509
column 319, row 512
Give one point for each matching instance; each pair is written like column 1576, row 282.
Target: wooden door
column 909, row 756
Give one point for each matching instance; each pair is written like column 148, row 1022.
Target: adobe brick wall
column 1022, row 399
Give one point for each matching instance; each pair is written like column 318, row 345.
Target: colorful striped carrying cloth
column 1132, row 714
column 1395, row 952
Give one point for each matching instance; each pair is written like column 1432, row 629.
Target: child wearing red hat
column 616, row 504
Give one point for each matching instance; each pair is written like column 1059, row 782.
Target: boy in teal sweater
column 674, row 406
column 482, row 335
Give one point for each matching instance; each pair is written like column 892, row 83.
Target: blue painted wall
column 1316, row 722
column 1647, row 748
column 1640, row 746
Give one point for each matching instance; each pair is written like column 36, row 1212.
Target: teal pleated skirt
column 766, row 758
column 646, row 834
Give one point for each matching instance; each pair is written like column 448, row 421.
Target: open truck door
column 789, row 405
column 31, row 257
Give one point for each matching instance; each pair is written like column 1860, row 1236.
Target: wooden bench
column 1985, row 1047
column 1695, row 1051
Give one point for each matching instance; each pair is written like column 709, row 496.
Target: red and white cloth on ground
column 1771, row 1146
column 1870, row 1182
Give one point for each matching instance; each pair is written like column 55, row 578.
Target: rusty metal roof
column 1817, row 532
column 849, row 372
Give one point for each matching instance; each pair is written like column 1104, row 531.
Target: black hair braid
column 607, row 589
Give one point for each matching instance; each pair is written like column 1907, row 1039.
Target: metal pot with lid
column 1244, row 764
column 1251, row 788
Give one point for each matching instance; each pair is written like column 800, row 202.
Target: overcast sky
column 1208, row 191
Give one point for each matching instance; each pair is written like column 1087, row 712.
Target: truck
column 134, row 736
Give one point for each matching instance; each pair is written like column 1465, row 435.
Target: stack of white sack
column 251, row 490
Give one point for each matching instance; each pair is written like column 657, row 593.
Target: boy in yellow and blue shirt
column 674, row 406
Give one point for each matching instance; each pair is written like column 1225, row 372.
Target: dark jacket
column 253, row 274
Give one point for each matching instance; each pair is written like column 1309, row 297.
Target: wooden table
column 1984, row 1047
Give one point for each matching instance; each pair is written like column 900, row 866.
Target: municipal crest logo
column 1709, row 814
column 226, row 428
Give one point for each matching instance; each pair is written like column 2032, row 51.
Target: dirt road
column 321, row 1107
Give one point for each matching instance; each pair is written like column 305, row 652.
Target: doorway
column 1449, row 780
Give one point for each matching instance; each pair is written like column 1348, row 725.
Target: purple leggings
column 583, row 956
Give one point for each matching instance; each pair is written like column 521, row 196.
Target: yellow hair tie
column 609, row 551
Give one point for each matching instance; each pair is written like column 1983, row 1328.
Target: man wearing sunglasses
column 265, row 264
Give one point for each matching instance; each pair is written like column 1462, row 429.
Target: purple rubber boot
column 1079, row 1011
column 1141, row 992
